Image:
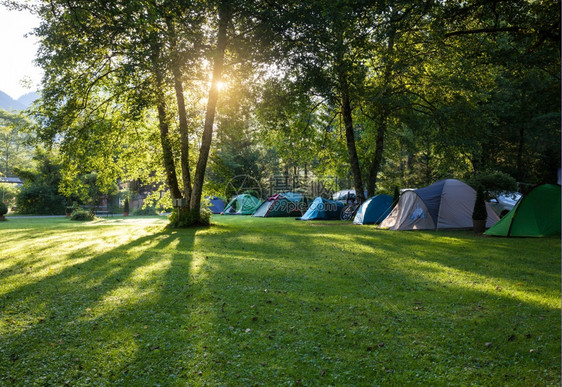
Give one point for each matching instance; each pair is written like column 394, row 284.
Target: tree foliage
column 437, row 89
column 40, row 193
column 387, row 93
column 127, row 87
column 3, row 209
column 15, row 142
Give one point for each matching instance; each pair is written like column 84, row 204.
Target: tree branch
column 483, row 31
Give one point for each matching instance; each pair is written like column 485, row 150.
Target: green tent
column 243, row 204
column 537, row 214
column 283, row 204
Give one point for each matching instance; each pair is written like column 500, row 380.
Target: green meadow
column 273, row 302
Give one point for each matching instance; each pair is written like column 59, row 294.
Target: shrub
column 493, row 182
column 144, row 211
column 479, row 212
column 82, row 215
column 41, row 200
column 3, row 209
column 189, row 218
column 9, row 192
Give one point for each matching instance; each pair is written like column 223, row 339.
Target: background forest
column 184, row 96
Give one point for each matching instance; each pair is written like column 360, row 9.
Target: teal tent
column 323, row 209
column 537, row 214
column 243, row 204
column 283, row 204
column 374, row 210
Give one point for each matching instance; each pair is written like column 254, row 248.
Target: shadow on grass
column 256, row 302
column 363, row 307
column 115, row 313
column 29, row 252
column 500, row 260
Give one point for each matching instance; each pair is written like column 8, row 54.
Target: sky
column 17, row 52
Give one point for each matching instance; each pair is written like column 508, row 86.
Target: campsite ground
column 253, row 301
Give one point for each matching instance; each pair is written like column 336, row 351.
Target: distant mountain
column 8, row 103
column 27, row 99
column 22, row 103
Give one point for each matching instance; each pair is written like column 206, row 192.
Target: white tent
column 445, row 204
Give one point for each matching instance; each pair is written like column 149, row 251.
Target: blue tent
column 323, row 209
column 374, row 210
column 216, row 204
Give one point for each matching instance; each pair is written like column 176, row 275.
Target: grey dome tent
column 446, row 204
column 374, row 210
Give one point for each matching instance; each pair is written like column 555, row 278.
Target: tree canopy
column 383, row 94
column 15, row 142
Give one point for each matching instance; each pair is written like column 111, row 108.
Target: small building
column 16, row 181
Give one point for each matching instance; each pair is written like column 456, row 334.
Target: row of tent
column 446, row 204
column 290, row 204
column 287, row 204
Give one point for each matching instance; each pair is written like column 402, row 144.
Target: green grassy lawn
column 254, row 301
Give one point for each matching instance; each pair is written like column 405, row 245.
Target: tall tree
column 324, row 49
column 135, row 63
column 345, row 53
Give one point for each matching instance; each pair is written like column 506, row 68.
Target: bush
column 3, row 209
column 82, row 215
column 189, row 218
column 40, row 200
column 493, row 182
column 144, row 211
column 9, row 192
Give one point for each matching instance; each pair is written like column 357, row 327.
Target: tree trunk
column 169, row 164
column 520, row 149
column 383, row 119
column 350, row 138
column 377, row 158
column 183, row 127
column 168, row 156
column 199, row 178
column 182, row 115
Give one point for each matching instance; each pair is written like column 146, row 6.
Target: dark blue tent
column 323, row 209
column 217, row 205
column 374, row 210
